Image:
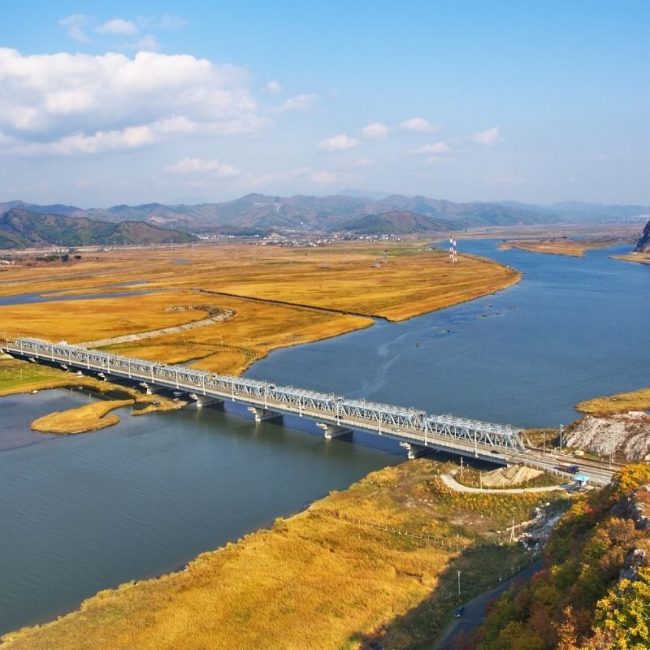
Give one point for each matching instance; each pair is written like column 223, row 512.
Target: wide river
column 88, row 512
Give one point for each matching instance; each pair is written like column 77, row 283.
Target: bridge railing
column 383, row 418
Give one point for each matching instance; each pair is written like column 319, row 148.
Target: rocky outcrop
column 626, row 435
column 643, row 245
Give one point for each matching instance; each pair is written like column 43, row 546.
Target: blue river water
column 84, row 513
column 574, row 328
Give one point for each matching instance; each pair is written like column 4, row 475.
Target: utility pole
column 561, row 436
column 458, row 572
column 461, row 466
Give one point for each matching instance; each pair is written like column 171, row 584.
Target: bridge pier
column 203, row 400
column 264, row 415
column 333, row 430
column 150, row 390
column 413, row 450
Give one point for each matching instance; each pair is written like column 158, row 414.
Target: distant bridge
column 415, row 430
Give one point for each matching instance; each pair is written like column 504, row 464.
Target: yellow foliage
column 320, row 579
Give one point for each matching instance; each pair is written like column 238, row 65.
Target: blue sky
column 131, row 102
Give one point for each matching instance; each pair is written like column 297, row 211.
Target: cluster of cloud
column 78, row 103
column 197, row 165
column 81, row 27
column 214, row 169
column 418, row 125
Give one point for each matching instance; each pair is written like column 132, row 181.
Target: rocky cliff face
column 643, row 245
column 626, row 435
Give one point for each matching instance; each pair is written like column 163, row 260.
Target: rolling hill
column 21, row 228
column 259, row 213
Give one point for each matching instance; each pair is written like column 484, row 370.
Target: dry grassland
column 89, row 417
column 279, row 296
column 23, row 377
column 639, row 258
column 638, row 400
column 352, row 565
column 556, row 246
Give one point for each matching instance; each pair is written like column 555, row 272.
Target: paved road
column 453, row 484
column 475, row 609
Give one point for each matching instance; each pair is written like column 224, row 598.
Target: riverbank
column 22, row 377
column 559, row 246
column 638, row 400
column 376, row 560
column 637, row 258
column 273, row 297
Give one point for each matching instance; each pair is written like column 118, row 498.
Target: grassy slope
column 330, row 577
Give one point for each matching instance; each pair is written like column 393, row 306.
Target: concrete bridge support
column 333, row 430
column 413, row 450
column 201, row 400
column 264, row 415
column 149, row 389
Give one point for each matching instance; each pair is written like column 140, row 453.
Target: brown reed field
column 89, row 417
column 638, row 400
column 333, row 576
column 279, row 296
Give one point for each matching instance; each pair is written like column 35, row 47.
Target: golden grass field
column 89, row 417
column 560, row 246
column 22, row 377
column 638, row 258
column 279, row 296
column 638, row 400
column 333, row 576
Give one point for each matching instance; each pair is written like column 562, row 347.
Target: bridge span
column 413, row 428
column 335, row 414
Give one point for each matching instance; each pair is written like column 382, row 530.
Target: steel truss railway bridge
column 414, row 429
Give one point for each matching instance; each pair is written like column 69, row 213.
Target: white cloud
column 172, row 23
column 273, row 86
column 433, row 149
column 146, row 43
column 487, row 137
column 341, row 142
column 374, row 130
column 364, row 162
column 85, row 102
column 75, row 25
column 297, row 103
column 199, row 166
column 419, row 125
column 305, row 173
column 118, row 26
column 129, row 138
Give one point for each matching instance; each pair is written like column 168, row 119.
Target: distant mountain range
column 260, row 214
column 20, row 228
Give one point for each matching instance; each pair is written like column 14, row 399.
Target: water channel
column 84, row 513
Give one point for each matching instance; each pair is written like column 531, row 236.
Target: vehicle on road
column 458, row 612
column 568, row 467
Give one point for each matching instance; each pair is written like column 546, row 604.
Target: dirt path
column 453, row 484
column 175, row 329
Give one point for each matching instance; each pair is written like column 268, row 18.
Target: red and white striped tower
column 453, row 252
